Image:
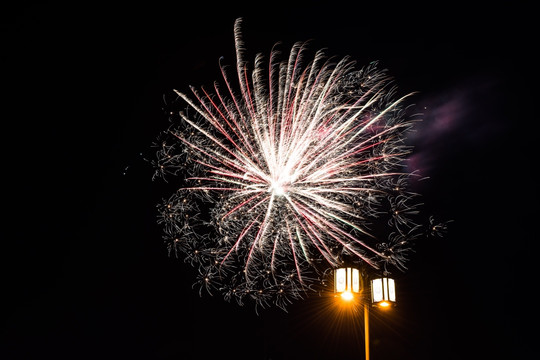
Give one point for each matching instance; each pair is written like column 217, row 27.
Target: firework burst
column 287, row 172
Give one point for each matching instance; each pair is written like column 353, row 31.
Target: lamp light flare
column 285, row 173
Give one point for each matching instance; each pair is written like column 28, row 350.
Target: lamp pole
column 365, row 304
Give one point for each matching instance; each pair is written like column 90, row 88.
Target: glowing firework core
column 278, row 188
column 282, row 185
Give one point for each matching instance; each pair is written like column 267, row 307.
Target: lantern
column 383, row 292
column 347, row 282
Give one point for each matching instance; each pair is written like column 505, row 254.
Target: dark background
column 85, row 274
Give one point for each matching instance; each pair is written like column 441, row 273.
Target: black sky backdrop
column 85, row 274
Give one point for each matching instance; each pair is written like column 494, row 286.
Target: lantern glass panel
column 391, row 290
column 341, row 280
column 376, row 290
column 355, row 280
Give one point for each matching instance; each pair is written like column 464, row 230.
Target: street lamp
column 348, row 282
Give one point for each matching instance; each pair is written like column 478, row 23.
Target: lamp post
column 349, row 282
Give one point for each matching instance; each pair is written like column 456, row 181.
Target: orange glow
column 384, row 304
column 347, row 295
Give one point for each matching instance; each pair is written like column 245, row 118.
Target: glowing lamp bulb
column 347, row 295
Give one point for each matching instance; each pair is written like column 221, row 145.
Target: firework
column 285, row 173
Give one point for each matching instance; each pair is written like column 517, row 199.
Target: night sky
column 85, row 274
